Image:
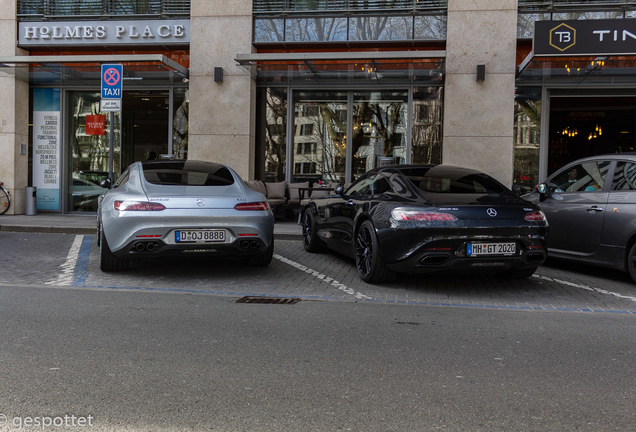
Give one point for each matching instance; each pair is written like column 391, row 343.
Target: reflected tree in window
column 275, row 133
column 427, row 125
column 527, row 134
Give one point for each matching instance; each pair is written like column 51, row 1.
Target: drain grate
column 268, row 300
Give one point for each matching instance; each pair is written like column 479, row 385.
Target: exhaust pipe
column 139, row 247
column 249, row 244
column 151, row 246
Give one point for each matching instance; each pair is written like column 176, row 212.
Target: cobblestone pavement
column 72, row 261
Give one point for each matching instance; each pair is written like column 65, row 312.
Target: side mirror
column 106, row 183
column 339, row 190
column 542, row 189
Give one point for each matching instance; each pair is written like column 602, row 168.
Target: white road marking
column 68, row 267
column 324, row 278
column 585, row 287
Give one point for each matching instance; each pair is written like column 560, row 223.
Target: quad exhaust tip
column 145, row 246
column 249, row 244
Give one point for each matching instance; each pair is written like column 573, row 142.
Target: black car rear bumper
column 450, row 254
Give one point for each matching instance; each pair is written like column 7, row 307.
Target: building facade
column 308, row 90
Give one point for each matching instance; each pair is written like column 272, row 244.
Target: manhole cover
column 268, row 300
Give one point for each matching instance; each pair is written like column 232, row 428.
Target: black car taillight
column 537, row 216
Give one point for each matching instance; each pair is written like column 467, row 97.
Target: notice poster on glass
column 46, row 148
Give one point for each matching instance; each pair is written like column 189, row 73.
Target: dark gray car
column 591, row 208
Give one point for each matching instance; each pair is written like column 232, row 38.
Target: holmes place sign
column 585, row 37
column 85, row 33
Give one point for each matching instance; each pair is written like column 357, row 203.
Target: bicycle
column 5, row 199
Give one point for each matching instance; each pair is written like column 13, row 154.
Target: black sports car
column 426, row 218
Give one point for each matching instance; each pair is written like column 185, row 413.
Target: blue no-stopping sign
column 112, row 76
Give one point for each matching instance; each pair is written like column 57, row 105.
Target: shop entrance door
column 145, row 132
column 141, row 132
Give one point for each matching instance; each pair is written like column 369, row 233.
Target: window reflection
column 527, row 136
column 427, row 125
column 379, row 129
column 320, row 137
column 275, row 133
column 355, row 28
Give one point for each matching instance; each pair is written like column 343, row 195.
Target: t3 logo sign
column 563, row 37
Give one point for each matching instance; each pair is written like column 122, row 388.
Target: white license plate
column 200, row 236
column 480, row 249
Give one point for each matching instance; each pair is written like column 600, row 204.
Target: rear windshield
column 452, row 180
column 187, row 174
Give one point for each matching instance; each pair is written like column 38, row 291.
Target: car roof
column 440, row 167
column 608, row 156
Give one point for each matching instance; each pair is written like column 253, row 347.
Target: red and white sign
column 95, row 124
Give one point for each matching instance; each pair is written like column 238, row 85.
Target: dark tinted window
column 441, row 179
column 625, row 176
column 187, row 174
column 584, row 177
column 363, row 187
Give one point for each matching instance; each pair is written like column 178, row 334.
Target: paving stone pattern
column 37, row 259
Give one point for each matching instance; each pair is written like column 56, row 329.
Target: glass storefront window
column 275, row 132
column 320, row 142
column 336, row 135
column 379, row 129
column 180, row 122
column 427, row 125
column 89, row 149
column 527, row 136
column 140, row 133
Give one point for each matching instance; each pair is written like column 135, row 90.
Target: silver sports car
column 182, row 207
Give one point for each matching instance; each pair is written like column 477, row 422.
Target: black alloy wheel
column 631, row 262
column 369, row 260
column 310, row 237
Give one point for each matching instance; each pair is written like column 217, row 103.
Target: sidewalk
column 87, row 224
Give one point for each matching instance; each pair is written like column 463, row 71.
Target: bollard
column 31, row 201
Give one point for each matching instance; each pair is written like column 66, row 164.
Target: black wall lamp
column 218, row 74
column 481, row 72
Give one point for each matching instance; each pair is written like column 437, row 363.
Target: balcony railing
column 28, row 10
column 582, row 5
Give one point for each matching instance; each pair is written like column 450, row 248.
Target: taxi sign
column 112, row 77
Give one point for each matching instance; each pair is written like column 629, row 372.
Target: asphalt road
column 166, row 347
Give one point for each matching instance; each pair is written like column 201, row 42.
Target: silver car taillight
column 255, row 206
column 138, row 206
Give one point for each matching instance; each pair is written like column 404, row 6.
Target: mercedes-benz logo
column 491, row 212
column 200, row 202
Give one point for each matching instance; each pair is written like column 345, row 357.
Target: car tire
column 311, row 242
column 108, row 261
column 521, row 274
column 369, row 260
column 263, row 259
column 631, row 262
